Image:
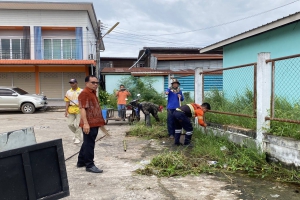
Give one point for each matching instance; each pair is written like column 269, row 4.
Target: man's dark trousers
column 86, row 154
column 182, row 121
column 170, row 122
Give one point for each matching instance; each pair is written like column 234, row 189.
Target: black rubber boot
column 187, row 139
column 177, row 139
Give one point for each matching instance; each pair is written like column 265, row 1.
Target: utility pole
column 98, row 44
column 99, row 47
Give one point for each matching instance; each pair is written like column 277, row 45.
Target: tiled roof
column 188, row 56
column 47, row 62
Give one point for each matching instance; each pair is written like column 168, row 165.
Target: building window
column 142, row 65
column 13, row 49
column 59, row 49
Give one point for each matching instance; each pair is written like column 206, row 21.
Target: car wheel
column 28, row 108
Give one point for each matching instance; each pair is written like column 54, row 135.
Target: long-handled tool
column 180, row 106
column 124, row 144
column 72, row 101
column 102, row 128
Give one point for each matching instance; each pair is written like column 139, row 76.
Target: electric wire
column 226, row 23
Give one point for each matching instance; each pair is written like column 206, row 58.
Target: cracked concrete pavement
column 118, row 181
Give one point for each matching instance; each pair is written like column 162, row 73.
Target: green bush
column 107, row 100
column 144, row 87
column 187, row 98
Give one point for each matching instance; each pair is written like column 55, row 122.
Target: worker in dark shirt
column 182, row 119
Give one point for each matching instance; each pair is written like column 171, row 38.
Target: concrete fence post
column 198, row 94
column 263, row 84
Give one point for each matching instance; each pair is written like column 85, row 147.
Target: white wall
column 43, row 18
column 54, row 18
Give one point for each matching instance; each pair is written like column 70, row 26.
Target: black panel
column 44, row 165
column 34, row 172
column 12, row 179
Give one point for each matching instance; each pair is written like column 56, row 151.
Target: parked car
column 16, row 98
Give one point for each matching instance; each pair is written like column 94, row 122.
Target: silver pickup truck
column 16, row 98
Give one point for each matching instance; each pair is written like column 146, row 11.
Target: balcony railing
column 14, row 56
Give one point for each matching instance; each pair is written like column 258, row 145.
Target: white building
column 45, row 44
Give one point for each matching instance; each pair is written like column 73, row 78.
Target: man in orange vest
column 182, row 117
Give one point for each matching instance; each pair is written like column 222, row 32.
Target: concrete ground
column 118, row 181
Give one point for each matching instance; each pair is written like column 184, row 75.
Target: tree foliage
column 144, row 87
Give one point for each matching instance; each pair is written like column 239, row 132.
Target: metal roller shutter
column 25, row 80
column 6, row 79
column 51, row 84
column 79, row 76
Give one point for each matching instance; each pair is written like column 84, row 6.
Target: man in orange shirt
column 182, row 117
column 122, row 95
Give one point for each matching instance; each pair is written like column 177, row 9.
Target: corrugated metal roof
column 189, row 50
column 144, row 71
column 264, row 28
column 188, row 56
column 121, row 58
column 172, row 48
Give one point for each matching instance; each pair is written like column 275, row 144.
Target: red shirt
column 88, row 100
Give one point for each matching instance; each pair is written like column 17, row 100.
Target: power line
column 128, row 38
column 230, row 22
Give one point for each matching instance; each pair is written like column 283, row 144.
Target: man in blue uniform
column 174, row 101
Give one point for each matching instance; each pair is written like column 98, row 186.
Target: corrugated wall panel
column 189, row 64
column 211, row 82
column 186, row 82
column 51, row 84
column 25, row 80
column 6, row 79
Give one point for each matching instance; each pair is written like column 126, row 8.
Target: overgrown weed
column 243, row 104
column 210, row 154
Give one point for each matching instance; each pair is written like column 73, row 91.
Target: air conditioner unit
column 91, row 56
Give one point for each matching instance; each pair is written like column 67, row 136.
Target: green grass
column 230, row 157
column 157, row 130
column 243, row 104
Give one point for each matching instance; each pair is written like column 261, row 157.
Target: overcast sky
column 181, row 23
